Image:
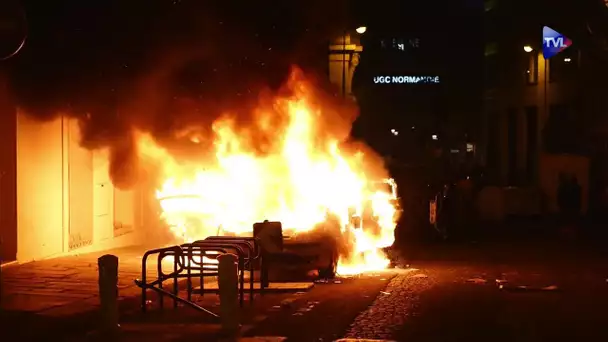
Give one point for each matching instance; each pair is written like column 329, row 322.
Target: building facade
column 543, row 117
column 57, row 197
column 401, row 93
column 416, row 77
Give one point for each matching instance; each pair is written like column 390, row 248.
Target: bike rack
column 229, row 246
column 156, row 285
column 189, row 262
column 253, row 260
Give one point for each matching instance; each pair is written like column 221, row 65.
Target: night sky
column 162, row 64
column 81, row 51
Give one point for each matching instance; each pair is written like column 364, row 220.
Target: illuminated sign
column 406, row 79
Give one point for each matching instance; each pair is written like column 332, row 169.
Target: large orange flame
column 304, row 178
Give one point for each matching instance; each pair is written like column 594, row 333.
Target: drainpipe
column 1, row 239
column 344, row 64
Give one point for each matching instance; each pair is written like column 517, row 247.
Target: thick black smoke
column 161, row 66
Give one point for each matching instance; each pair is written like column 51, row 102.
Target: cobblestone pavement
column 324, row 313
column 546, row 293
column 391, row 308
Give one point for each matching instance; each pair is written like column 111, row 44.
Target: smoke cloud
column 120, row 71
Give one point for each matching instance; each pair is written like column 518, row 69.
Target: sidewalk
column 58, row 299
column 41, row 295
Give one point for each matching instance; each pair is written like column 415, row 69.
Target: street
column 506, row 299
column 205, row 170
column 540, row 289
column 536, row 290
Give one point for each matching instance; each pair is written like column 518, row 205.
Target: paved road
column 538, row 290
column 324, row 313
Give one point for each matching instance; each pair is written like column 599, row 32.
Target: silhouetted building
column 543, row 116
column 418, row 81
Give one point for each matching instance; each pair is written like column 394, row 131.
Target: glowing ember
column 305, row 178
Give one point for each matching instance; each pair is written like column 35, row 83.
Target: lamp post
column 530, row 49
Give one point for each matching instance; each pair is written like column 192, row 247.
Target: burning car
column 318, row 249
column 292, row 162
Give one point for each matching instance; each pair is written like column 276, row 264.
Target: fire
column 305, row 178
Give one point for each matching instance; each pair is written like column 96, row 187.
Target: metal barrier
column 253, row 260
column 157, row 285
column 191, row 260
column 226, row 246
column 194, row 258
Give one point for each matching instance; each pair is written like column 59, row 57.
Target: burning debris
column 293, row 163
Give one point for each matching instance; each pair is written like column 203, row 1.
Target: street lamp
column 361, row 29
column 535, row 56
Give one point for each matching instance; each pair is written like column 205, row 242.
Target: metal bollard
column 228, row 288
column 108, row 293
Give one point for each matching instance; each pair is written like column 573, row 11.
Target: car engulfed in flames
column 311, row 178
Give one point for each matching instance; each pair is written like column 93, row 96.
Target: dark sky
column 81, row 51
column 161, row 65
column 78, row 51
column 164, row 64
